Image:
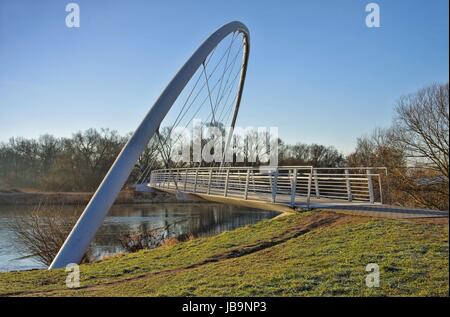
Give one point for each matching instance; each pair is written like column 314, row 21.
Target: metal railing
column 288, row 184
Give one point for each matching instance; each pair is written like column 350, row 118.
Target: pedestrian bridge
column 208, row 88
column 361, row 191
column 293, row 186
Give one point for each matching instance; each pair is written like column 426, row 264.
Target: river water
column 198, row 219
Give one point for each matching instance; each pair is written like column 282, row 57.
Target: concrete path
column 388, row 211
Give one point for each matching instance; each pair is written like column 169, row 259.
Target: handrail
column 285, row 183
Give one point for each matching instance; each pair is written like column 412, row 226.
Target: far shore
column 18, row 197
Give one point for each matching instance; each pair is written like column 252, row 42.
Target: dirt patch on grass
column 435, row 221
column 322, row 219
column 315, row 221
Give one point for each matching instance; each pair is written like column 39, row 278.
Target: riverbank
column 316, row 253
column 16, row 197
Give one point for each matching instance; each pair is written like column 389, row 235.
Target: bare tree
column 43, row 232
column 414, row 150
column 314, row 154
column 422, row 127
column 149, row 160
column 86, row 158
column 300, row 152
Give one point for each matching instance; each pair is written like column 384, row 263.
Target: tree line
column 77, row 163
column 414, row 148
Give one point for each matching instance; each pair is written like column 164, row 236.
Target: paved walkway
column 363, row 208
column 377, row 209
column 389, row 211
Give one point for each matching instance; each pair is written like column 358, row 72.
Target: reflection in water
column 198, row 219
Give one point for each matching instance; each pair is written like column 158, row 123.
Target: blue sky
column 316, row 71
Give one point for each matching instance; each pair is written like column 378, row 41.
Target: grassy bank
column 308, row 254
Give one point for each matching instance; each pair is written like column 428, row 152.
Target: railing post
column 273, row 185
column 316, row 184
column 381, row 189
column 177, row 179
column 174, row 178
column 308, row 197
column 247, row 178
column 253, row 181
column 293, row 187
column 209, row 181
column 349, row 186
column 185, row 180
column 168, row 179
column 370, row 185
column 195, row 181
column 225, row 190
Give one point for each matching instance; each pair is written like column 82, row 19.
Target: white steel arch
column 93, row 215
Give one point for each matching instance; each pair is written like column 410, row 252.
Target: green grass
column 271, row 258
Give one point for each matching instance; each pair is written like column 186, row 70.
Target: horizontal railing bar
column 290, row 182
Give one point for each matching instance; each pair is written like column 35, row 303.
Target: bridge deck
column 263, row 201
column 357, row 190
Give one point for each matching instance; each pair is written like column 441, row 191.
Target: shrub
column 42, row 232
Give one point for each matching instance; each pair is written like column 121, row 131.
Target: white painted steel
column 290, row 183
column 92, row 217
column 348, row 185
